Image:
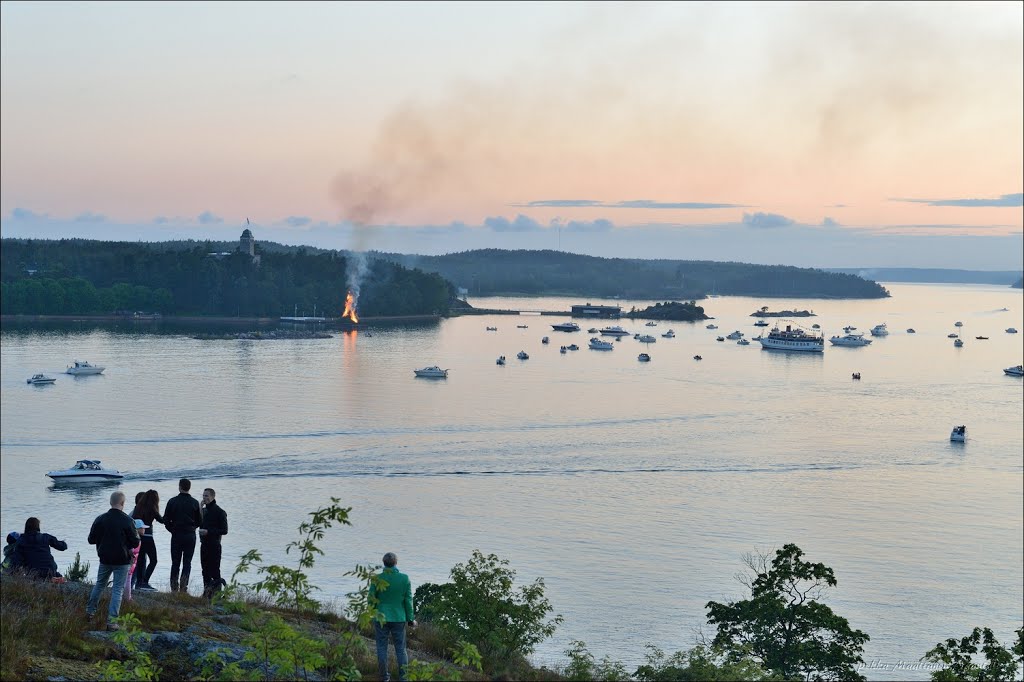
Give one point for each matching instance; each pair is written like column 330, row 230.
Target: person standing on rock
column 213, row 527
column 182, row 518
column 395, row 603
column 115, row 537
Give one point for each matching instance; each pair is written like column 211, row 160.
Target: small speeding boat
column 84, row 368
column 1017, row 371
column 40, row 380
column 643, row 357
column 959, row 434
column 500, row 360
column 523, row 355
column 432, row 372
column 86, row 470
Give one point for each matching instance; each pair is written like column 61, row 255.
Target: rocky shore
column 265, row 335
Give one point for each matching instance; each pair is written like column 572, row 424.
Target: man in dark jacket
column 115, row 537
column 32, row 551
column 212, row 528
column 181, row 518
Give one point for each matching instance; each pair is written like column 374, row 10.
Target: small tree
column 957, row 656
column 480, row 606
column 784, row 627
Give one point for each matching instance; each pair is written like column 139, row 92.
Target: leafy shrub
column 481, row 606
column 958, row 657
column 77, row 572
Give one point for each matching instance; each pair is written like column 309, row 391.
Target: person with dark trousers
column 182, row 518
column 213, row 527
column 115, row 537
column 32, row 551
column 394, row 601
column 147, row 509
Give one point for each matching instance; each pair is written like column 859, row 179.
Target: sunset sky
column 832, row 134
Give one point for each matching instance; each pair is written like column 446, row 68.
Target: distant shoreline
column 196, row 319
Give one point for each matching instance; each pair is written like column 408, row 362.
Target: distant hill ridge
column 936, row 275
column 495, row 271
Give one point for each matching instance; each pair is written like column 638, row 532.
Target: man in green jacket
column 394, row 601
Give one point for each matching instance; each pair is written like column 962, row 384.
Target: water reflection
column 84, row 491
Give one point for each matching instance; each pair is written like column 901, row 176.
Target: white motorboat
column 735, row 335
column 614, row 331
column 86, row 470
column 523, row 355
column 959, row 343
column 647, row 338
column 40, row 380
column 959, row 434
column 84, row 368
column 598, row 344
column 566, row 327
column 792, row 339
column 500, row 360
column 432, row 372
column 849, row 328
column 1011, row 330
column 880, row 330
column 761, row 323
column 743, row 342
column 852, row 340
column 669, row 334
column 643, row 357
column 1017, row 371
column 711, row 326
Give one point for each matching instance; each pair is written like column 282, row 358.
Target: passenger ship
column 792, row 339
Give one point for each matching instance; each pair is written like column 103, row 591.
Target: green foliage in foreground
column 784, row 627
column 957, row 655
column 77, row 572
column 138, row 665
column 480, row 605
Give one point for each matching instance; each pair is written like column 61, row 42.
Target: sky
column 810, row 134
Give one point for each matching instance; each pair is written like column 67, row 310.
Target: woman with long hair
column 32, row 551
column 149, row 511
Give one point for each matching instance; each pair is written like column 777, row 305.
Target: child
column 140, row 527
column 12, row 541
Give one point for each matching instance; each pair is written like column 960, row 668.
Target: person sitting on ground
column 12, row 540
column 32, row 551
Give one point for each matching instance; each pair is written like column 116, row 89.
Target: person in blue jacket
column 32, row 551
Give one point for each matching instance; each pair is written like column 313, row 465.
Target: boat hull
column 79, row 372
column 794, row 346
column 84, row 478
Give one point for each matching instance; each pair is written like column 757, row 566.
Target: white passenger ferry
column 792, row 339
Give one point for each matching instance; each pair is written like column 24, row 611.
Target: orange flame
column 350, row 308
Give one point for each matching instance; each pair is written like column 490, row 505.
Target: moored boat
column 523, row 355
column 850, row 340
column 643, row 357
column 614, row 331
column 83, row 368
column 432, row 372
column 792, row 339
column 959, row 434
column 500, row 360
column 598, row 344
column 959, row 343
column 669, row 334
column 880, row 330
column 566, row 327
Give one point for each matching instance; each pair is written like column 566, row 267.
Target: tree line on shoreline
column 76, row 276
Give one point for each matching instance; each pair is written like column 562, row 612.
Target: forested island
column 76, row 276
column 264, row 279
column 670, row 310
column 490, row 272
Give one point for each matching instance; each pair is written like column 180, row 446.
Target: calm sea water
column 633, row 489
